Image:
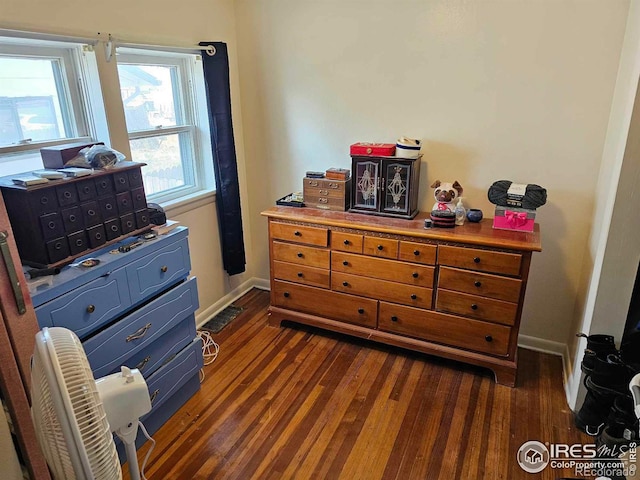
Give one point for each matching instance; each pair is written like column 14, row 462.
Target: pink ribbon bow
column 442, row 206
column 515, row 219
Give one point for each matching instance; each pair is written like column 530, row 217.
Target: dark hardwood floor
column 299, row 403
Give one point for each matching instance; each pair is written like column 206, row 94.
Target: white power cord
column 210, row 350
column 153, row 444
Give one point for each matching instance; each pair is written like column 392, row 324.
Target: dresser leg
column 274, row 319
column 505, row 375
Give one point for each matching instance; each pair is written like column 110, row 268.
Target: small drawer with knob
column 52, row 226
column 303, row 234
column 477, row 307
column 445, row 329
column 67, row 194
column 346, row 242
column 325, row 303
column 417, row 252
column 483, row 284
column 317, row 277
column 381, row 289
column 88, row 307
column 482, row 260
column 380, row 247
column 302, row 255
column 151, row 273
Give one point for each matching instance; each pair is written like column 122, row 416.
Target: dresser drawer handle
column 52, row 225
column 323, row 200
column 142, row 364
column 286, row 294
column 414, row 274
column 416, row 252
column 154, row 395
column 313, row 184
column 474, row 306
column 297, row 233
column 414, row 296
column 333, row 185
column 164, row 269
column 300, row 254
column 67, row 194
column 488, row 338
column 346, row 242
column 139, row 333
column 476, row 259
column 394, row 318
column 477, row 283
column 345, row 263
column 361, row 311
column 380, row 247
column 324, row 192
column 91, row 308
column 345, row 284
column 300, row 274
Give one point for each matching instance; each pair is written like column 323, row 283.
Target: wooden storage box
column 60, row 220
column 327, row 194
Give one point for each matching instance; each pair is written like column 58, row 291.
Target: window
column 41, row 101
column 160, row 95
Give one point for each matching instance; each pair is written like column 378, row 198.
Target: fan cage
column 91, row 436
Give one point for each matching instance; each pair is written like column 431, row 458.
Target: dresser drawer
column 114, row 346
column 446, row 329
column 391, row 270
column 500, row 288
column 88, row 307
column 310, row 256
column 173, row 375
column 156, row 271
column 152, row 357
column 315, row 184
column 346, row 242
column 382, row 289
column 300, row 233
column 323, row 192
column 417, row 253
column 317, row 277
column 477, row 307
column 380, row 247
column 483, row 260
column 325, row 303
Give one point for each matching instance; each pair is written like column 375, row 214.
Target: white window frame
column 73, row 90
column 197, row 161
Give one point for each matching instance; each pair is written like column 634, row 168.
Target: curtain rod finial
column 211, row 50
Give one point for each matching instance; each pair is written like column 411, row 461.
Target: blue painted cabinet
column 135, row 309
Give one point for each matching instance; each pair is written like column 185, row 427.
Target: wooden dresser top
column 481, row 233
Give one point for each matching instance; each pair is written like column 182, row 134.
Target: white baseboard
column 555, row 348
column 210, row 312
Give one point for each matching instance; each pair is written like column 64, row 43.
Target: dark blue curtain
column 216, row 76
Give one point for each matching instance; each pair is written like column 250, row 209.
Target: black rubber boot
column 594, row 411
column 597, row 346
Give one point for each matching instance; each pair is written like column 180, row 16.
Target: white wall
column 163, row 22
column 515, row 90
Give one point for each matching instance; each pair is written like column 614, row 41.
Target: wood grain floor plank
column 305, row 404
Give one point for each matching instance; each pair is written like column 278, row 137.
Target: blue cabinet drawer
column 88, row 307
column 114, row 346
column 162, row 351
column 152, row 273
column 172, row 376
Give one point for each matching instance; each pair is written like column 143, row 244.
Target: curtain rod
column 7, row 32
column 209, row 49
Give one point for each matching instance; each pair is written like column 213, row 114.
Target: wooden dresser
column 455, row 293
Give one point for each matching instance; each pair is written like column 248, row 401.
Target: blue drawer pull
column 142, row 364
column 154, row 395
column 140, row 333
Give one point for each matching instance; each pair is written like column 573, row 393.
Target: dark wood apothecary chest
column 54, row 223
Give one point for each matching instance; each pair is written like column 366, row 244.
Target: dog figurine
column 445, row 195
